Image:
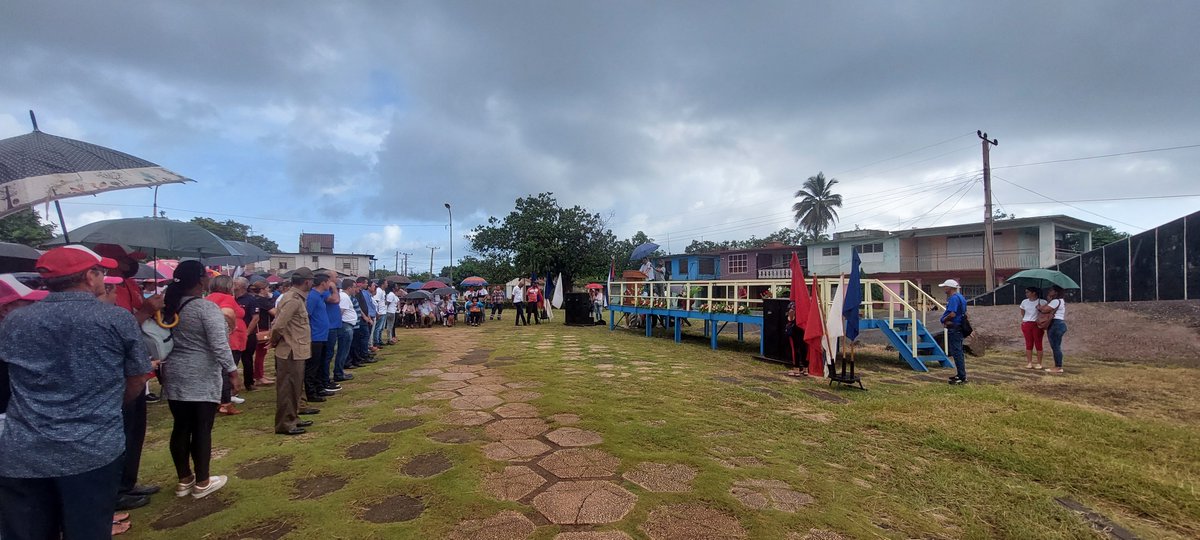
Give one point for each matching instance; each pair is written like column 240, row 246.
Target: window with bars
column 738, row 264
column 876, row 247
column 283, row 266
column 831, row 251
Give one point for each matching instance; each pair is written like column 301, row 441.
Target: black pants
column 312, row 369
column 134, row 415
column 497, row 309
column 248, row 360
column 76, row 506
column 521, row 317
column 191, row 437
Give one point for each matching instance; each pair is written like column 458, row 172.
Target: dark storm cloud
column 667, row 114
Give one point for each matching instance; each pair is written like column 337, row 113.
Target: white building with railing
column 928, row 256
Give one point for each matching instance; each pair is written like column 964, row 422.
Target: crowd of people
column 79, row 358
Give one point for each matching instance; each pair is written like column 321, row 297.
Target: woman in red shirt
column 221, row 294
column 533, row 298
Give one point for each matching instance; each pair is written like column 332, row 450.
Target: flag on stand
column 813, row 331
column 834, row 325
column 557, row 302
column 612, row 271
column 798, row 292
column 854, row 297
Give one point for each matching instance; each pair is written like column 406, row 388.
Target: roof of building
column 999, row 225
column 323, row 253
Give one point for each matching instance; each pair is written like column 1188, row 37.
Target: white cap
column 949, row 283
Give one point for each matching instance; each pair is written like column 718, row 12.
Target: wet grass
column 899, row 461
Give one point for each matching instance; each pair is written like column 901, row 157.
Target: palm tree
column 817, row 208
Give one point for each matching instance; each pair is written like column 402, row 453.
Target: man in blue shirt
column 952, row 319
column 318, row 322
column 362, row 333
column 72, row 362
column 333, row 314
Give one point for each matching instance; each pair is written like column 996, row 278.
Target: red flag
column 814, row 330
column 799, row 293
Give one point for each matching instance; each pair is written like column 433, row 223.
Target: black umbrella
column 39, row 168
column 418, row 295
column 250, row 253
column 445, row 291
column 17, row 257
column 146, row 272
column 405, row 280
column 155, row 236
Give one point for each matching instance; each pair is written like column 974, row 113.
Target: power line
column 961, row 188
column 960, row 198
column 1184, row 147
column 1007, row 181
column 926, row 147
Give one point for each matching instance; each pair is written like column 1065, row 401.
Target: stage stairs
column 899, row 334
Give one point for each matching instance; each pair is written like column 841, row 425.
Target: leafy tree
column 492, row 269
column 817, row 208
column 423, row 276
column 25, row 227
column 1105, row 235
column 232, row 230
column 541, row 236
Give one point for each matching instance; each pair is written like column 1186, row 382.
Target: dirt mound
column 1161, row 333
column 264, row 468
column 271, row 530
column 395, row 427
column 454, row 436
column 365, row 450
column 426, row 465
column 394, row 509
column 318, row 486
column 187, row 510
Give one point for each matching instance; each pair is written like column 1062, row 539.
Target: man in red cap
column 73, row 361
column 13, row 294
column 128, row 295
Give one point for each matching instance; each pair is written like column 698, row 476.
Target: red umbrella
column 433, row 285
column 595, row 286
column 273, row 279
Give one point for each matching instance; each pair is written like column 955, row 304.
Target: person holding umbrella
column 1058, row 326
column 1030, row 307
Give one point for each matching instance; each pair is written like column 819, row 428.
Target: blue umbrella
column 643, row 251
column 414, row 286
column 853, row 298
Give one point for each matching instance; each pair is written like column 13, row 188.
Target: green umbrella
column 154, row 236
column 1042, row 278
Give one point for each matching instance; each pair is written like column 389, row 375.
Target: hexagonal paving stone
column 520, row 395
column 506, row 525
column 425, row 372
column 588, row 502
column 570, row 436
column 447, row 385
column 516, row 428
column 593, row 535
column 415, row 410
column 691, row 522
column 513, row 483
column 457, row 376
column 525, row 384
column 516, row 450
column 662, row 477
column 517, row 410
column 435, row 395
column 464, row 369
column 580, row 463
column 494, row 379
column 481, row 390
column 759, row 494
column 467, row 418
column 475, row 402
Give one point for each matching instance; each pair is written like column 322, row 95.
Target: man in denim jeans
column 956, row 311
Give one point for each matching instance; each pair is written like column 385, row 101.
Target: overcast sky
column 687, row 120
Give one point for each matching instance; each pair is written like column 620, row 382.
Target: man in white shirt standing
column 392, row 309
column 379, row 296
column 346, row 336
column 518, row 299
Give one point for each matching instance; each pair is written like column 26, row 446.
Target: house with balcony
column 767, row 262
column 930, row 255
column 693, row 266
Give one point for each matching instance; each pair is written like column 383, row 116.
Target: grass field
column 751, row 453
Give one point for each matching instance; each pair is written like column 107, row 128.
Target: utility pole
column 431, row 250
column 989, row 253
column 405, row 272
column 397, row 261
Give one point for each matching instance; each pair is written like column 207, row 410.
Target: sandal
column 1055, row 371
column 122, row 516
column 120, row 527
column 1029, row 365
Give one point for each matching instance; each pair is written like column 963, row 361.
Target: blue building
column 693, row 267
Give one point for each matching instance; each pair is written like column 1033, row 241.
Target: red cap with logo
column 67, row 260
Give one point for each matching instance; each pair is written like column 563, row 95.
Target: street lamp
column 447, row 205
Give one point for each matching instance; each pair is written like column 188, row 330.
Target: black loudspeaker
column 579, row 308
column 775, row 338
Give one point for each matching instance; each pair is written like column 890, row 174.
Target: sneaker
column 333, row 387
column 214, row 483
column 151, row 397
column 953, row 378
column 958, row 381
column 237, row 400
column 183, row 490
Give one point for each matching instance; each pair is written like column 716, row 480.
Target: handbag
column 966, row 327
column 1044, row 320
column 157, row 334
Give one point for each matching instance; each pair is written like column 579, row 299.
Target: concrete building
column 316, row 251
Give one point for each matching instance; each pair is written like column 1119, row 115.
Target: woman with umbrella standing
column 1058, row 326
column 193, row 376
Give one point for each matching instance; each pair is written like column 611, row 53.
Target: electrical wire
column 1184, row 147
column 926, row 147
column 1047, row 197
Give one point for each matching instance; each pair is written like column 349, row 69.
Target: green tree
column 541, row 236
column 423, row 276
column 232, row 230
column 494, row 270
column 1105, row 235
column 25, row 227
column 817, row 208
